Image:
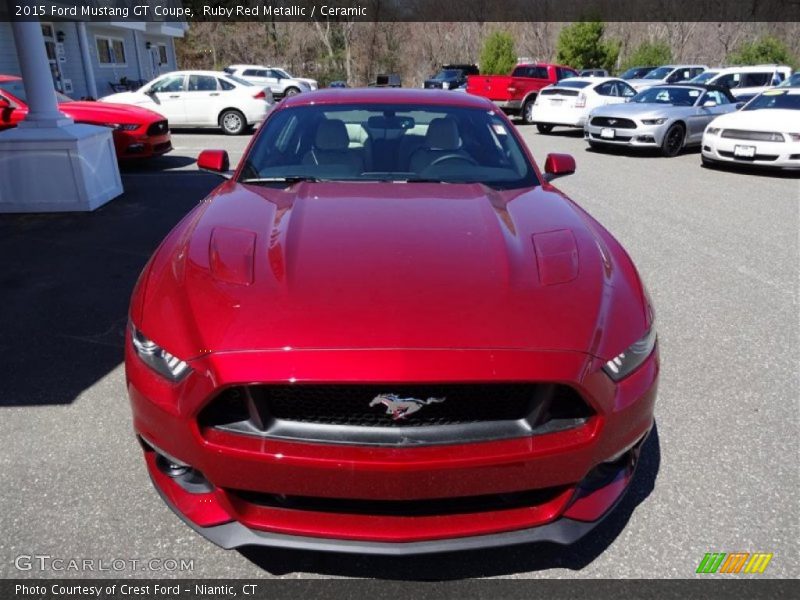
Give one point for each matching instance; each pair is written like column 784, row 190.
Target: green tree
column 649, row 54
column 498, row 56
column 581, row 45
column 766, row 49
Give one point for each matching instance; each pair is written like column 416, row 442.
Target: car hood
column 639, row 110
column 765, row 119
column 106, row 112
column 390, row 265
column 644, row 82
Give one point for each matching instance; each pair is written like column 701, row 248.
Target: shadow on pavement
column 66, row 280
column 158, row 163
column 479, row 563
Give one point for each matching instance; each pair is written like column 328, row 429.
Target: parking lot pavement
column 718, row 250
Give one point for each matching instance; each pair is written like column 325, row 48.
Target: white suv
column 276, row 80
column 667, row 74
column 745, row 82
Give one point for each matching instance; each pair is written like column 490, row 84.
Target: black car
column 390, row 80
column 636, row 72
column 451, row 77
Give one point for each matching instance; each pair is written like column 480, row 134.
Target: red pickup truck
column 516, row 93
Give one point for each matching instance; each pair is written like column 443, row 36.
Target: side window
column 226, row 85
column 756, row 79
column 273, row 74
column 202, row 83
column 716, row 97
column 605, row 89
column 696, row 71
column 626, row 90
column 252, row 73
column 171, row 83
column 563, row 73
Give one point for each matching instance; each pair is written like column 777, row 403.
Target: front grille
column 767, row 157
column 162, row 147
column 396, row 413
column 759, row 136
column 403, row 508
column 613, row 122
column 616, row 138
column 158, row 128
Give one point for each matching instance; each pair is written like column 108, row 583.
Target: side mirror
column 709, row 103
column 558, row 165
column 214, row 161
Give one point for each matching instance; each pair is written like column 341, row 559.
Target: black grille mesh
column 158, row 128
column 613, row 122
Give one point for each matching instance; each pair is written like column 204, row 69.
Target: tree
column 498, row 56
column 766, row 49
column 581, row 45
column 649, row 54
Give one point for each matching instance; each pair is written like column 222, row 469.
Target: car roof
column 589, row 80
column 386, row 96
column 750, row 68
column 195, row 72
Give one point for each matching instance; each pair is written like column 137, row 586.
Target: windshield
column 448, row 74
column 659, row 73
column 774, row 99
column 16, row 89
column 387, row 142
column 793, row 81
column 634, row 72
column 676, row 96
column 704, row 76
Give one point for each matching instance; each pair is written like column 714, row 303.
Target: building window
column 111, row 51
column 162, row 55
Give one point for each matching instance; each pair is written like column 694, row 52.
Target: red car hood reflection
column 391, row 265
column 102, row 112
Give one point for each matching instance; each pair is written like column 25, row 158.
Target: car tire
column 232, row 122
column 673, row 140
column 527, row 111
column 542, row 128
column 292, row 91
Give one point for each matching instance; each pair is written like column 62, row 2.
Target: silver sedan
column 667, row 117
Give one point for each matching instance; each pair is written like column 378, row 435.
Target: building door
column 155, row 62
column 52, row 47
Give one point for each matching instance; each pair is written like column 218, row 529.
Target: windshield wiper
column 290, row 180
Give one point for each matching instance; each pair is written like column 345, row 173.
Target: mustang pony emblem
column 399, row 408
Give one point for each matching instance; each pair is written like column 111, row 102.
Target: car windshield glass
column 17, row 89
column 573, row 84
column 400, row 143
column 774, row 99
column 677, row 96
column 793, row 81
column 631, row 73
column 704, row 76
column 447, row 74
column 658, row 73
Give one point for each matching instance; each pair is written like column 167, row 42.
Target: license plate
column 608, row 133
column 744, row 151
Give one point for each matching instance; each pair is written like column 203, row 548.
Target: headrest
column 332, row 135
column 443, row 134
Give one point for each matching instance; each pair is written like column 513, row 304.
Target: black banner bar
column 403, row 10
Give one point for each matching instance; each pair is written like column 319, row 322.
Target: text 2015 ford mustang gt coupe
column 388, row 333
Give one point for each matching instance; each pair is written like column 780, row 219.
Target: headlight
column 713, row 130
column 795, row 137
column 158, row 359
column 626, row 362
column 123, row 127
column 654, row 121
column 445, row 85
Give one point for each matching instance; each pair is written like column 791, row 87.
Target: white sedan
column 201, row 99
column 766, row 132
column 569, row 102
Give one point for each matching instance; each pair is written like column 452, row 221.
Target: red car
column 517, row 92
column 389, row 333
column 138, row 132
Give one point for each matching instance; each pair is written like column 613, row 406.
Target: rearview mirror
column 558, row 165
column 214, row 161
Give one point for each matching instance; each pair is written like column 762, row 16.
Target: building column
column 49, row 163
column 41, row 96
column 86, row 59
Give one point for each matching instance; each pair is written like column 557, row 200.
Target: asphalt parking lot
column 717, row 249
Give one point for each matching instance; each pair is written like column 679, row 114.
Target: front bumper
column 141, row 146
column 234, row 465
column 643, row 136
column 779, row 155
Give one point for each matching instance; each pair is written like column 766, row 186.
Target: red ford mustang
column 138, row 132
column 388, row 333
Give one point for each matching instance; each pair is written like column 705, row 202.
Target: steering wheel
column 453, row 156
